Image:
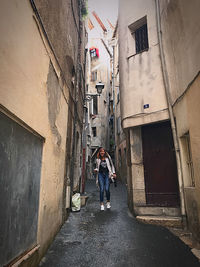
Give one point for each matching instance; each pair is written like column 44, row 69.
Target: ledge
column 146, row 118
column 162, row 220
column 24, row 257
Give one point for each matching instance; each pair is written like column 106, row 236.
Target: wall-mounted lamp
column 99, row 86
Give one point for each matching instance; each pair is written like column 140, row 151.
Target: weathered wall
column 187, row 113
column 120, row 138
column 129, row 173
column 181, row 28
column 140, row 74
column 181, row 38
column 35, row 88
column 120, row 161
column 62, row 35
column 137, row 167
column 63, row 17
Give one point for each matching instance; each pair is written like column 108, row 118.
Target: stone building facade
column 159, row 73
column 42, row 51
column 119, row 135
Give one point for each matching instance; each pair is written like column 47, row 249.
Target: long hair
column 98, row 154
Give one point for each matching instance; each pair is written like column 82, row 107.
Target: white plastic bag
column 76, row 202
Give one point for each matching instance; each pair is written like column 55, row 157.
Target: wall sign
column 146, row 106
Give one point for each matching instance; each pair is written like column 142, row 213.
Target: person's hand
column 95, row 170
column 114, row 175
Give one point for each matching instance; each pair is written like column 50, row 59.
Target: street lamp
column 99, row 86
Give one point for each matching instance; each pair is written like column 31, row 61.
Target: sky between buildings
column 106, row 9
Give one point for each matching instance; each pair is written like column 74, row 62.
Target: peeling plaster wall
column 32, row 92
column 54, row 95
column 63, row 35
column 61, row 23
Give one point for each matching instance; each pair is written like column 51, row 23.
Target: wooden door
column 160, row 170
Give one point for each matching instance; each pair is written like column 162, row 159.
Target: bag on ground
column 76, row 202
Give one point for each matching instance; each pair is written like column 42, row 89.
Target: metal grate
column 141, row 39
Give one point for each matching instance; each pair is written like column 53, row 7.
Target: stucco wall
column 181, row 39
column 187, row 113
column 63, row 35
column 140, row 74
column 67, row 35
column 31, row 90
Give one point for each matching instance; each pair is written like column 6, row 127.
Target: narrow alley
column 105, row 88
column 114, row 238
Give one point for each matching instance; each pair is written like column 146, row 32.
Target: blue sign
column 146, row 106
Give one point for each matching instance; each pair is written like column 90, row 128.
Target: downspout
column 113, row 91
column 77, row 84
column 173, row 125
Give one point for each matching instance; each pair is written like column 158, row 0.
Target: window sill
column 145, row 50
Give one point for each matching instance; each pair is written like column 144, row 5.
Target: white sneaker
column 108, row 205
column 102, row 207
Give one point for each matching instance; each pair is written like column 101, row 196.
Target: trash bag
column 76, row 202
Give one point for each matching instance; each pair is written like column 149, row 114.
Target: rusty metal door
column 160, row 170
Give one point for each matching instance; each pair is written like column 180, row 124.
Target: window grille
column 93, row 52
column 141, row 39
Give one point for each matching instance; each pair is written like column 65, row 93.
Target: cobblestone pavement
column 114, row 238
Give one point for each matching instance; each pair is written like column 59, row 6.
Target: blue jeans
column 104, row 184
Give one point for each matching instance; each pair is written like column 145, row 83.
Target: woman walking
column 105, row 170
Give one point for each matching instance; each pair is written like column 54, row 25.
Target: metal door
column 20, row 167
column 160, row 170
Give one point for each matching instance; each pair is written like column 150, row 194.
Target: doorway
column 160, row 169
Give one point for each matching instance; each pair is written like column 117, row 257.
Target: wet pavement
column 114, row 238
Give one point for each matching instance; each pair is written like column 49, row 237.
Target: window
column 188, row 159
column 94, row 76
column 94, row 131
column 118, row 97
column 139, row 32
column 120, row 158
column 141, row 39
column 118, row 125
column 94, row 52
column 95, row 105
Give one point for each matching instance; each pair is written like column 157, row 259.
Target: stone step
column 157, row 211
column 166, row 221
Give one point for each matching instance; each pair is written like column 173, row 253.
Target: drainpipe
column 77, row 84
column 113, row 91
column 173, row 125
